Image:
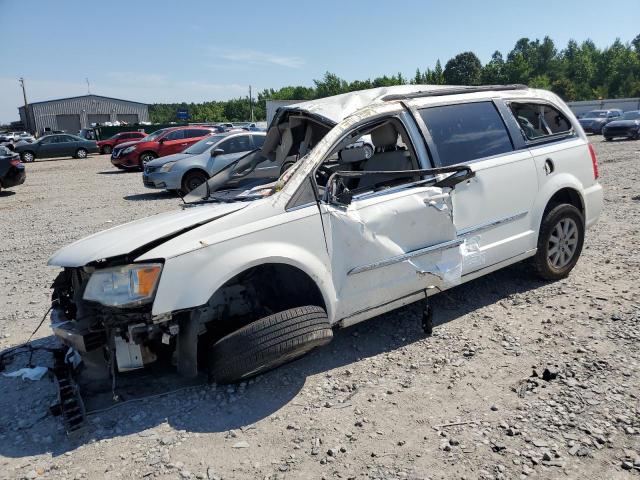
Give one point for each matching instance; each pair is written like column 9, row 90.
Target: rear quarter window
column 466, row 132
column 538, row 120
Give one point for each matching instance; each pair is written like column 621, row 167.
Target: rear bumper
column 593, row 202
column 15, row 176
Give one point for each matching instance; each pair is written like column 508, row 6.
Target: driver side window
column 367, row 154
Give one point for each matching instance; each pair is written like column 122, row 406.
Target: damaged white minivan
column 462, row 181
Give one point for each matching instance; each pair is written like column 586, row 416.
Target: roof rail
column 454, row 91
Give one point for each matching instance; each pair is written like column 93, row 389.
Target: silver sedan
column 182, row 172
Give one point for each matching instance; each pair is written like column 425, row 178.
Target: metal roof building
column 73, row 113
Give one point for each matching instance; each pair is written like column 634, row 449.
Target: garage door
column 130, row 118
column 97, row 118
column 68, row 123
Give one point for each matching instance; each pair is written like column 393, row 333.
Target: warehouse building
column 73, row 113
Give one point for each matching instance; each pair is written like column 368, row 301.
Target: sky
column 193, row 51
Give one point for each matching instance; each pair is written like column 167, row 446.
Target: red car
column 107, row 145
column 166, row 141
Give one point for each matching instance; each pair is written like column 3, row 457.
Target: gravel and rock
column 521, row 378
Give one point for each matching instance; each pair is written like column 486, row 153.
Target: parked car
column 593, row 121
column 463, row 181
column 56, row 145
column 12, row 171
column 106, row 146
column 627, row 126
column 160, row 143
column 186, row 171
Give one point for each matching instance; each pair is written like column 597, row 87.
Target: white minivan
column 462, row 181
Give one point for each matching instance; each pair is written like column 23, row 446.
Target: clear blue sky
column 161, row 51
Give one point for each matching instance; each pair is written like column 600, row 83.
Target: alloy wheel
column 563, row 243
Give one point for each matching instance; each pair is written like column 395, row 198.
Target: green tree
column 463, row 69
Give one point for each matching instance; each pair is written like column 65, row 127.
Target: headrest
column 384, row 136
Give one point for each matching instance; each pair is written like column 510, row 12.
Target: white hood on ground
column 128, row 237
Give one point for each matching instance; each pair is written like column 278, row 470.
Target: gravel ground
column 381, row 401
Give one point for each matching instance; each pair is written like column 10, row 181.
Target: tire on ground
column 268, row 343
column 541, row 260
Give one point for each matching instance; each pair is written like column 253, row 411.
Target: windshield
column 596, row 114
column 154, row 136
column 204, row 144
column 631, row 116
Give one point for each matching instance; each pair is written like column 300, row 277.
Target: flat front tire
column 559, row 242
column 268, row 343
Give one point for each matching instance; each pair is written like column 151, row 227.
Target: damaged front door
column 391, row 245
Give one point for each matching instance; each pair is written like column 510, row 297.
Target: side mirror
column 217, row 151
column 337, row 193
column 161, row 140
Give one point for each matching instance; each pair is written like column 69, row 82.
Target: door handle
column 549, row 167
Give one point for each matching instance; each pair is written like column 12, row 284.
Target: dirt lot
column 381, row 401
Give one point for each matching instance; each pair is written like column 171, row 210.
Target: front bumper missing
column 81, row 339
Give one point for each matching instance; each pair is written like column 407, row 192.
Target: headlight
column 125, row 286
column 129, row 149
column 167, row 167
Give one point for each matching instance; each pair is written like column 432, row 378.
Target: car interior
column 538, row 120
column 392, row 153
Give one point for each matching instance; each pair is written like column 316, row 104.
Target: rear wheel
column 559, row 242
column 193, row 180
column 81, row 153
column 28, row 157
column 268, row 343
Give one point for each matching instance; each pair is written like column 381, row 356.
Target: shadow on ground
column 142, row 197
column 116, row 172
column 6, row 193
column 204, row 408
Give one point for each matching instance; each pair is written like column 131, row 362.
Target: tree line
column 577, row 72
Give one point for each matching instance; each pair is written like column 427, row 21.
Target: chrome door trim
column 406, row 256
column 437, row 247
column 491, row 224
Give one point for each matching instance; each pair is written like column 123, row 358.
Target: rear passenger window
column 196, row 133
column 466, row 132
column 538, row 120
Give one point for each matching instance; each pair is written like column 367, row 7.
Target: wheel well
column 256, row 293
column 565, row 195
column 278, row 286
column 193, row 170
column 155, row 155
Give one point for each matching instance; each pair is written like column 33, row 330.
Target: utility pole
column 250, row 103
column 27, row 125
column 88, row 86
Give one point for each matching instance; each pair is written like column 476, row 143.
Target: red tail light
column 594, row 161
column 15, row 162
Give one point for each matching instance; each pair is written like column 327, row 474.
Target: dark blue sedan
column 59, row 145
